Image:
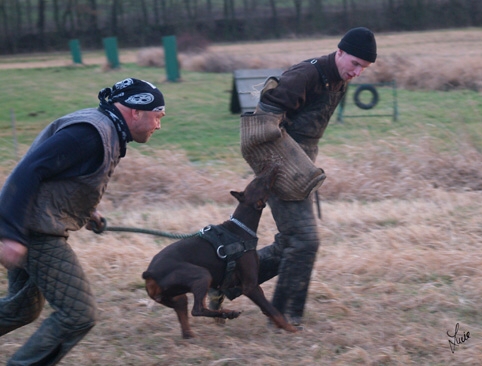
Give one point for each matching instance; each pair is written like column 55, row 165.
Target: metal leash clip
column 204, row 229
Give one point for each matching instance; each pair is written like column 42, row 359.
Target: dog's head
column 257, row 192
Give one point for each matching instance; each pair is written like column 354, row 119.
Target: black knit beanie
column 360, row 42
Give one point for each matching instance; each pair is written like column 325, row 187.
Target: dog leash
column 105, row 227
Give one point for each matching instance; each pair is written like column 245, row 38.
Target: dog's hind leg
column 179, row 304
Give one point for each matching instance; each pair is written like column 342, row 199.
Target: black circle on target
column 373, row 102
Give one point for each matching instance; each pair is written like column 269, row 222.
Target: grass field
column 400, row 259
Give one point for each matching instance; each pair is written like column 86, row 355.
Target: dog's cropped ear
column 238, row 195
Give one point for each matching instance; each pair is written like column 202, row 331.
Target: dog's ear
column 238, row 195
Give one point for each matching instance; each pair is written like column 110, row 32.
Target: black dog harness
column 228, row 246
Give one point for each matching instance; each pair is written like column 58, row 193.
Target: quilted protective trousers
column 292, row 255
column 52, row 272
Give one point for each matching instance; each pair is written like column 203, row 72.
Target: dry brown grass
column 419, row 60
column 398, row 267
column 399, row 263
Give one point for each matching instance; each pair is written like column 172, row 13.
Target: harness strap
column 228, row 247
column 323, row 77
column 321, row 72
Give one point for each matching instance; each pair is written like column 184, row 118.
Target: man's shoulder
column 85, row 115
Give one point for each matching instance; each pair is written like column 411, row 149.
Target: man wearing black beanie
column 359, row 42
column 302, row 100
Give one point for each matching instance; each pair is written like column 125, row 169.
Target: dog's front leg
column 199, row 291
column 257, row 296
column 248, row 269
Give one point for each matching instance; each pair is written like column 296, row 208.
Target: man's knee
column 74, row 318
column 78, row 328
column 86, row 322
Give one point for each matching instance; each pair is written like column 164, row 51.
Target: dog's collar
column 242, row 226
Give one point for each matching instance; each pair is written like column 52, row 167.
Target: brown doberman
column 206, row 261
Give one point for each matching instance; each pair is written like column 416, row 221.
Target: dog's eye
column 260, row 205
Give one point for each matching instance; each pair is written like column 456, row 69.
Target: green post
column 110, row 46
column 74, row 46
column 170, row 54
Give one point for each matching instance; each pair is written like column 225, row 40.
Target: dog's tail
column 146, row 275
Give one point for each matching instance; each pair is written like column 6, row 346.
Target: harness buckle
column 218, row 252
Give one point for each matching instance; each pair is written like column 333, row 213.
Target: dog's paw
column 293, row 328
column 230, row 314
column 188, row 334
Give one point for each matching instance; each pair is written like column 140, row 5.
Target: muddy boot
column 49, row 344
column 293, row 282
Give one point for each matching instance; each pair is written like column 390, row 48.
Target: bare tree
column 157, row 13
column 229, row 18
column 191, row 9
column 209, row 8
column 144, row 20
column 92, row 18
column 41, row 21
column 6, row 30
column 274, row 17
column 165, row 17
column 57, row 15
column 191, row 13
column 28, row 8
column 474, row 10
column 117, row 11
column 298, row 15
column 316, row 11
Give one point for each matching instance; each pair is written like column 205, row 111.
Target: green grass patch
column 199, row 120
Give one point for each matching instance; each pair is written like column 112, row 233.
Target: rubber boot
column 49, row 344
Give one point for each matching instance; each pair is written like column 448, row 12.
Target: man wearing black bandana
column 53, row 190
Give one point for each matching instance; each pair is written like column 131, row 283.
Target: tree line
column 48, row 25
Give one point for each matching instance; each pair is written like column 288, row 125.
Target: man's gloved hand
column 97, row 223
